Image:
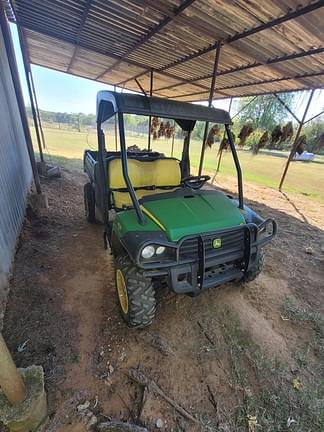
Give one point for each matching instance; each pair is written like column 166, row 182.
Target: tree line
column 264, row 113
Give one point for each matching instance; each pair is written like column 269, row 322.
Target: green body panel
column 182, row 216
column 126, row 221
column 197, row 214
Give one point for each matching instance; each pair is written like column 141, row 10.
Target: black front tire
column 89, row 203
column 140, row 292
column 256, row 269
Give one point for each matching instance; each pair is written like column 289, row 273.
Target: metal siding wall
column 15, row 171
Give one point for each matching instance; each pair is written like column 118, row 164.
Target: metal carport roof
column 266, row 46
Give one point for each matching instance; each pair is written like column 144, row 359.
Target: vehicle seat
column 148, row 177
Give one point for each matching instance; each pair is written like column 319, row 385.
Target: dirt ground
column 62, row 314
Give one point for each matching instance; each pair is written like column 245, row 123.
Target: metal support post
column 294, row 146
column 150, row 118
column 116, row 128
column 172, row 142
column 19, row 96
column 210, row 101
column 220, row 153
column 32, row 104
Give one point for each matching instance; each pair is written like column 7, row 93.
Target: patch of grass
column 75, row 358
column 71, row 164
column 264, row 388
column 264, row 169
column 297, row 313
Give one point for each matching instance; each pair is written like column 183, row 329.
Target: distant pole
column 210, row 101
column 294, row 146
column 150, row 118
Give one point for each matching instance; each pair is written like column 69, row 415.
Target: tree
column 314, row 132
column 265, row 112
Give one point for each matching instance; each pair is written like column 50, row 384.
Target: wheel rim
column 121, row 291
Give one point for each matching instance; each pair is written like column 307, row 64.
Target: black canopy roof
column 184, row 113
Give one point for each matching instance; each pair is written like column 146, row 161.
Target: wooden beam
column 77, row 39
column 11, row 381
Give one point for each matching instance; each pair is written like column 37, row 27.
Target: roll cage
column 185, row 115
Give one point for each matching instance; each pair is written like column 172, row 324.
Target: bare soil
column 62, row 314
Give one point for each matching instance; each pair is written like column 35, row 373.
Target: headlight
column 160, row 250
column 148, row 252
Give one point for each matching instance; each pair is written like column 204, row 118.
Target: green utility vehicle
column 163, row 225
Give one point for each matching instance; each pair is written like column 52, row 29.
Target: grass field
column 66, row 147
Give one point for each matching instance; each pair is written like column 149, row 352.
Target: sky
column 58, row 91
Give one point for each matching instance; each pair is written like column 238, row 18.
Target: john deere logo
column 217, row 243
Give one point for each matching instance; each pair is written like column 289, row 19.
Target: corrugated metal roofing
column 267, row 46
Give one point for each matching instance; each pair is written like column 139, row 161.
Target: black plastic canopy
column 184, row 113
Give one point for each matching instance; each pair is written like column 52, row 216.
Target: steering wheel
column 195, row 182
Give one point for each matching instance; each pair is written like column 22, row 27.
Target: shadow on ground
column 213, row 354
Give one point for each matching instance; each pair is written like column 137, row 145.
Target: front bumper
column 200, row 266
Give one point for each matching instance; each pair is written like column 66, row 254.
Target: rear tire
column 89, row 203
column 135, row 293
column 254, row 272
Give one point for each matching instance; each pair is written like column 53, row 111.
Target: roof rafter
column 250, row 66
column 82, row 24
column 106, row 53
column 286, row 55
column 260, row 94
column 177, row 11
column 291, row 15
column 273, row 80
column 233, row 38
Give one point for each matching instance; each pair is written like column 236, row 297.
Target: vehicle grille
column 231, row 242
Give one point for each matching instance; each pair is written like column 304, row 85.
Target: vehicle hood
column 193, row 213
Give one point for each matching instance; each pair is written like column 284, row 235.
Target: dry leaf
column 252, row 423
column 297, row 384
column 290, row 421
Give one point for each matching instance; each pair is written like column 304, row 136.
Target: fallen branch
column 116, row 426
column 210, row 340
column 140, row 378
column 212, row 399
column 159, row 343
